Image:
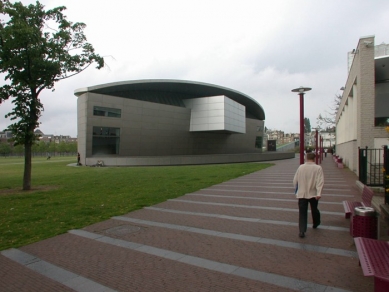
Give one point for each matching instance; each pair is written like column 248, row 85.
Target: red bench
column 367, row 196
column 338, row 161
column 374, row 259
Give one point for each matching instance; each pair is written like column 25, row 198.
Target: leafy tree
column 52, row 148
column 37, row 48
column 307, row 125
column 18, row 149
column 5, row 148
column 43, row 147
column 62, row 148
column 72, row 147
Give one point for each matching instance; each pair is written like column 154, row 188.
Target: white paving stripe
column 271, row 186
column 259, row 183
column 273, row 279
column 256, row 198
column 60, row 275
column 244, row 219
column 250, row 207
column 262, row 240
column 267, row 192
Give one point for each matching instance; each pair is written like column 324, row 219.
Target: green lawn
column 65, row 197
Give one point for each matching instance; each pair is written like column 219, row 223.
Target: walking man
column 308, row 182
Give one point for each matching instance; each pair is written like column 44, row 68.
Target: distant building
column 328, row 139
column 5, row 135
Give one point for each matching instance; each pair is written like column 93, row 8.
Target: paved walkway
column 240, row 235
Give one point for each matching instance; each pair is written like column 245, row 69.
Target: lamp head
column 301, row 89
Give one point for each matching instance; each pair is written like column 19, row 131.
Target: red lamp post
column 301, row 91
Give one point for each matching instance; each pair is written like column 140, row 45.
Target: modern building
column 364, row 108
column 168, row 122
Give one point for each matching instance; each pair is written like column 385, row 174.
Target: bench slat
column 373, row 256
column 367, row 196
column 349, row 207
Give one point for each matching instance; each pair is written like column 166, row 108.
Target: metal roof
column 179, row 89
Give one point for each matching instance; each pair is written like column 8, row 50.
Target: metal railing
column 371, row 165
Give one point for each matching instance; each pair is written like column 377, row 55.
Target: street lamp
column 301, row 91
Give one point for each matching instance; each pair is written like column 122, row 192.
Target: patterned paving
column 240, row 235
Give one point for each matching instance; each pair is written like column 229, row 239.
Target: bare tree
column 328, row 121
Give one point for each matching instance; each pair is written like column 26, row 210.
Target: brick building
column 364, row 109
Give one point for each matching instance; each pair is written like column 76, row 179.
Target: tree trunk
column 27, row 167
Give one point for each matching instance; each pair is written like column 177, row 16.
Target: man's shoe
column 315, row 226
column 301, row 234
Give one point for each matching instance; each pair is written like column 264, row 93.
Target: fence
column 371, row 165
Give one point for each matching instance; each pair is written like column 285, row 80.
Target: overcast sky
column 263, row 49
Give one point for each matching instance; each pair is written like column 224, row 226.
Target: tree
column 42, row 148
column 37, row 49
column 307, row 125
column 72, row 147
column 61, row 148
column 329, row 120
column 5, row 148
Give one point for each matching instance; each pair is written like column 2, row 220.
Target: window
column 106, row 140
column 258, row 142
column 107, row 112
column 381, row 122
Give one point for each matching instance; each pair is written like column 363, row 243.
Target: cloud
column 261, row 48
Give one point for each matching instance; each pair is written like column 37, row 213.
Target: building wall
column 349, row 153
column 151, row 129
column 81, row 127
column 356, row 115
column 366, row 93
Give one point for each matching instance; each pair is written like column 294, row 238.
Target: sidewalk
column 240, row 235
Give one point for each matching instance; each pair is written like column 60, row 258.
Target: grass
column 64, row 197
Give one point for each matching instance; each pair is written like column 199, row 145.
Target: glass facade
column 106, row 140
column 107, row 112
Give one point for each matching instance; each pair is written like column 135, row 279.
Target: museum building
column 167, row 122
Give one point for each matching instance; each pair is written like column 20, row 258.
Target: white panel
column 199, row 121
column 212, row 120
column 203, row 127
column 216, row 99
column 216, row 113
column 217, row 106
column 216, row 127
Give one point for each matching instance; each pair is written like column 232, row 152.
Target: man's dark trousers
column 303, row 213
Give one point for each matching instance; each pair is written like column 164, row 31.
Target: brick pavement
column 240, row 235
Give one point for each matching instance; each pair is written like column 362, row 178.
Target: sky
column 263, row 49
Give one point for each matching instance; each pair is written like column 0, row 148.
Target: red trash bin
column 364, row 223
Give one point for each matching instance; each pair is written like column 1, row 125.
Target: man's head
column 311, row 156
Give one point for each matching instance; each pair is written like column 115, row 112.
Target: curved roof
column 180, row 89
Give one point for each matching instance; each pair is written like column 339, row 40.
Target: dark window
column 258, row 142
column 381, row 122
column 106, row 140
column 107, row 112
